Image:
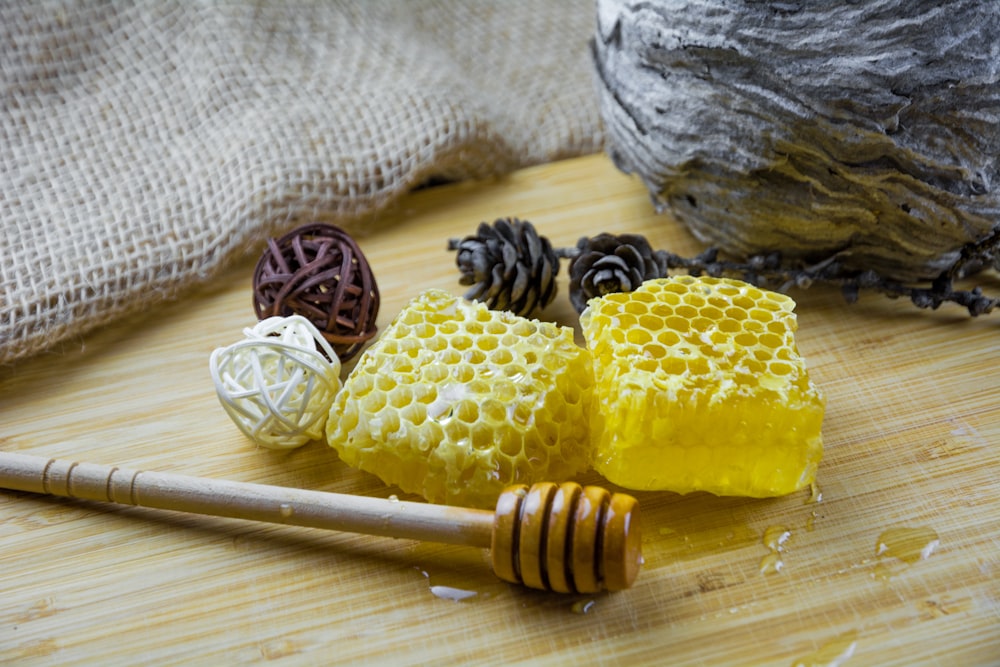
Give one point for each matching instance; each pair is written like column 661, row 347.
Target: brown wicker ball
column 317, row 271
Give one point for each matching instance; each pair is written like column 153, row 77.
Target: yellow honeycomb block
column 700, row 387
column 455, row 402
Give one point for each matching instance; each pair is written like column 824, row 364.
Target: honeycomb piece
column 455, row 402
column 700, row 387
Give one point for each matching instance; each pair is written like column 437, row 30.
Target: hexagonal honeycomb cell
column 700, row 387
column 455, row 402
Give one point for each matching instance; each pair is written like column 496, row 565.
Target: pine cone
column 509, row 266
column 607, row 263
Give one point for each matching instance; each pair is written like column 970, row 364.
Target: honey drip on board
column 452, row 593
column 771, row 563
column 445, row 591
column 461, row 578
column 815, row 494
column 831, row 654
column 909, row 545
column 774, row 539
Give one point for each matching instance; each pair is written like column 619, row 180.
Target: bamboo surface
column 893, row 559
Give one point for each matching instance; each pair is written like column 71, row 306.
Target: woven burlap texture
column 143, row 147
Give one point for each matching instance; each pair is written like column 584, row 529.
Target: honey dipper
column 557, row 537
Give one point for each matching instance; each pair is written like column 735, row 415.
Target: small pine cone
column 509, row 266
column 607, row 263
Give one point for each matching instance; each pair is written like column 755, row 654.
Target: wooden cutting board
column 912, row 463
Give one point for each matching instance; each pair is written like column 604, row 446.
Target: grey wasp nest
column 868, row 132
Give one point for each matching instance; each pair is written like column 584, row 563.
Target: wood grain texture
column 912, row 434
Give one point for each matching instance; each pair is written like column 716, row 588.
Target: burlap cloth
column 145, row 146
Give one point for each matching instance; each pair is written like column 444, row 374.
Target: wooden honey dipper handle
column 564, row 538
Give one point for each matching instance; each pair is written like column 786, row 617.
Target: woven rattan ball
column 317, row 271
column 277, row 384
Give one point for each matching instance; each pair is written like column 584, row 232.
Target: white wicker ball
column 276, row 384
